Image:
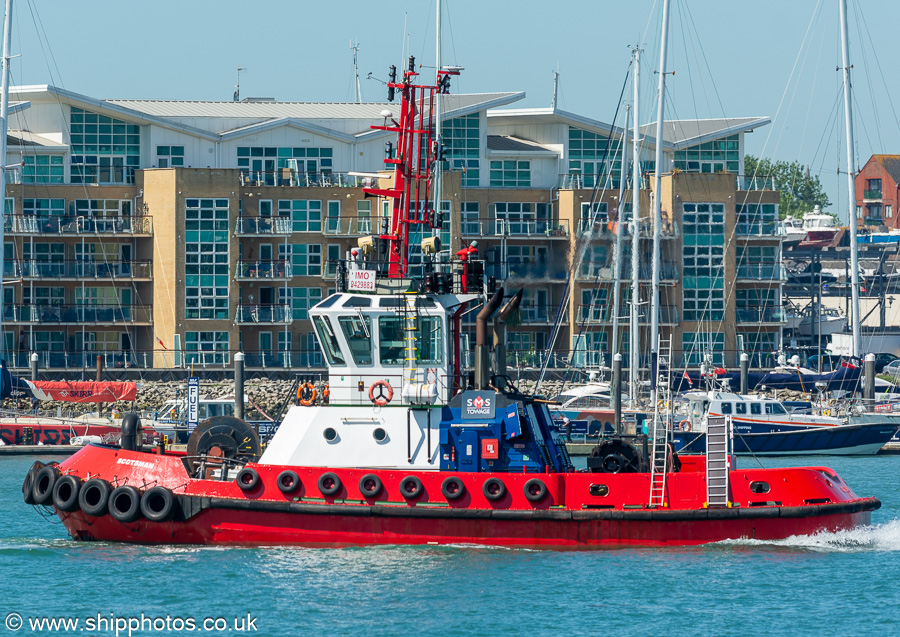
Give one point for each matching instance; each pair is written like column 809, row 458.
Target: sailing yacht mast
column 657, row 201
column 620, row 229
column 4, row 125
column 856, row 349
column 634, row 352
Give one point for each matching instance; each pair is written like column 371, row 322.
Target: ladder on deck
column 409, row 315
column 660, row 429
column 718, row 448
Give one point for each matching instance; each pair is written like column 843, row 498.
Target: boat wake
column 879, row 537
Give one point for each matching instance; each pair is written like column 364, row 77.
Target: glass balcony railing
column 69, row 225
column 515, row 228
column 761, row 272
column 99, row 314
column 668, row 314
column 269, row 270
column 759, row 314
column 300, row 179
column 668, row 271
column 37, row 269
column 263, row 314
column 253, row 226
column 757, row 182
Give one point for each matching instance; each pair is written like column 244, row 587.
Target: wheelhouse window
column 328, row 341
column 740, row 408
column 726, row 408
column 390, row 340
column 358, row 332
column 774, row 408
column 428, row 340
column 755, row 408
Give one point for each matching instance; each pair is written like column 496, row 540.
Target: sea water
column 829, row 584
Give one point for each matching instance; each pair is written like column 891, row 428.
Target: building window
column 594, row 217
column 206, row 348
column 100, row 208
column 888, row 212
column 757, row 305
column 462, row 145
column 470, row 218
column 873, row 212
column 517, row 218
column 761, row 347
column 511, row 174
column 300, row 300
column 873, row 189
column 42, row 169
column 263, row 162
column 703, row 256
column 50, row 341
column 758, row 262
column 306, row 215
column 44, row 208
column 757, row 219
column 589, row 349
column 721, row 155
column 44, row 296
column 104, row 149
column 695, row 347
column 169, row 156
column 206, row 258
column 589, row 158
column 306, row 259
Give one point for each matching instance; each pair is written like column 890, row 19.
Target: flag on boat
column 687, row 377
column 68, row 391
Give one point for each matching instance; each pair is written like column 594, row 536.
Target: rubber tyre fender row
column 370, row 485
column 247, row 479
column 125, row 503
column 535, row 490
column 329, row 484
column 157, row 504
column 494, row 489
column 65, row 493
column 93, row 498
column 288, row 481
column 453, row 488
column 411, row 487
column 28, row 483
column 44, row 480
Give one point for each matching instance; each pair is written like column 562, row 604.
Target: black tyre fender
column 65, row 493
column 247, row 479
column 329, row 484
column 370, row 485
column 125, row 503
column 28, row 483
column 93, row 498
column 411, row 487
column 453, row 488
column 288, row 481
column 157, row 504
column 535, row 490
column 44, row 480
column 494, row 489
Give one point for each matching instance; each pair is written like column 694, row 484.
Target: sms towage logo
column 478, row 402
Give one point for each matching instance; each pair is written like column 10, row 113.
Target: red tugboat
column 407, row 451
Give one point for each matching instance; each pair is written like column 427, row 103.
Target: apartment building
column 157, row 233
column 878, row 192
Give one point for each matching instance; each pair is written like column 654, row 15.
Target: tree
column 800, row 192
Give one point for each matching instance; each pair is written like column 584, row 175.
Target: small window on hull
column 759, row 487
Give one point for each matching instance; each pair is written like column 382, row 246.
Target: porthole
column 379, row 434
column 759, row 487
column 599, row 490
column 330, row 434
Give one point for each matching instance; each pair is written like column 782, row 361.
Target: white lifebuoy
column 685, row 425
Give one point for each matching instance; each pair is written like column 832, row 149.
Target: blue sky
column 766, row 57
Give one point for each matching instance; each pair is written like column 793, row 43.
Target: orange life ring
column 306, row 394
column 385, row 392
column 685, row 425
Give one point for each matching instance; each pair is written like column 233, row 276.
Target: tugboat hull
column 269, row 504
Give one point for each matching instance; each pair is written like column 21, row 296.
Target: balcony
column 76, row 270
column 263, row 315
column 668, row 271
column 250, row 270
column 757, row 182
column 515, row 228
column 603, row 229
column 291, row 177
column 761, row 272
column 872, row 195
column 262, row 226
column 77, row 226
column 530, row 313
column 602, row 314
column 100, row 314
column 347, row 226
column 578, row 181
column 759, row 314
